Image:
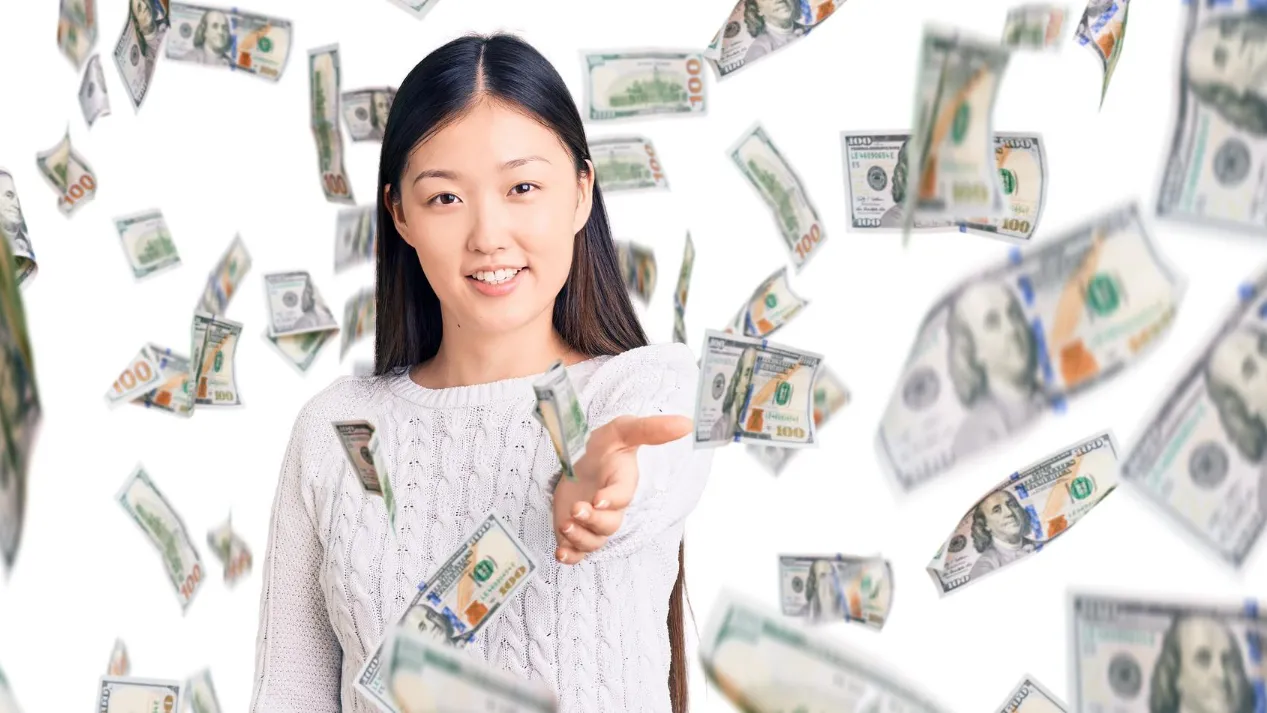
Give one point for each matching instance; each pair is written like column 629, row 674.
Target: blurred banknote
column 295, row 306
column 359, row 319
column 626, row 163
column 424, row 676
column 1202, row 457
column 683, row 290
column 147, row 243
column 632, row 84
column 233, row 38
column 1035, row 26
column 139, row 376
column 418, row 7
column 1015, row 340
column 876, row 164
column 772, row 305
column 1132, row 654
column 225, row 278
column 752, row 391
column 762, row 662
column 156, row 517
column 492, row 559
column 784, row 193
column 215, row 344
column 638, row 268
column 323, row 109
column 8, row 704
column 136, row 52
column 94, row 101
column 231, row 550
column 119, row 664
column 827, row 588
column 70, row 176
column 355, row 437
column 1103, row 29
column 559, row 410
column 355, row 236
column 20, row 410
column 125, row 694
column 365, row 112
column 756, row 29
column 77, row 29
column 301, row 349
column 1216, row 171
column 952, row 143
column 1024, row 513
column 201, row 694
column 1031, row 697
column 173, row 390
column 13, row 229
column 830, row 395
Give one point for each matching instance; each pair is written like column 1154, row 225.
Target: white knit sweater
column 335, row 580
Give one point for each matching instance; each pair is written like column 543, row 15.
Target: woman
column 495, row 260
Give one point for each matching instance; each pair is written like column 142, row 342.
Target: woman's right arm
column 298, row 660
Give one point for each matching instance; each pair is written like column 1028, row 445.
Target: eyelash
column 435, row 199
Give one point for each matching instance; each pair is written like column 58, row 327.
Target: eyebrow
column 453, row 175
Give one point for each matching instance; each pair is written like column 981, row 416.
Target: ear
column 585, row 197
column 397, row 211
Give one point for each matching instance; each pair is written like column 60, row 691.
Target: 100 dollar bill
column 1130, row 655
column 772, row 305
column 324, row 79
column 156, row 517
column 1034, row 26
column 631, row 84
column 1030, row 696
column 830, row 395
column 783, row 192
column 747, row 36
column 627, row 163
column 1103, row 29
column 559, row 410
column 1202, row 458
column 876, row 170
column 762, row 662
column 1216, row 170
column 752, row 391
column 1024, row 513
column 234, row 39
column 825, row 588
column 125, row 694
column 1008, row 344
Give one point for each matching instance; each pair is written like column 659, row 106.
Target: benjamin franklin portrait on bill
column 1200, row 670
column 1236, row 381
column 1225, row 66
column 999, row 529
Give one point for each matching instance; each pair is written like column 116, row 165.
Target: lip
column 500, row 289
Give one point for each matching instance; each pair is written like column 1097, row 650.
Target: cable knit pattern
column 336, row 577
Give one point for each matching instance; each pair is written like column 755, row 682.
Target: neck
column 467, row 356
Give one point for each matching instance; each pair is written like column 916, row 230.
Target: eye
column 992, row 320
column 1203, row 658
column 444, row 199
column 522, row 188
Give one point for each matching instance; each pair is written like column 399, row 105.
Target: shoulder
column 642, row 380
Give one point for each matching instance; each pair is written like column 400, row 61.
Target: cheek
column 544, row 230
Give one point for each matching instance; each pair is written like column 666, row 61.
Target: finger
column 579, row 538
column 599, row 522
column 618, row 492
column 567, row 555
column 631, row 432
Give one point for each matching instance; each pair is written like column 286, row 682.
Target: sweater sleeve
column 671, row 476
column 298, row 660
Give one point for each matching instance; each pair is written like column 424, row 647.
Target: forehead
column 1201, row 633
column 996, row 498
column 980, row 298
column 485, row 136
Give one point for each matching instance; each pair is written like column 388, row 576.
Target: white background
column 222, row 153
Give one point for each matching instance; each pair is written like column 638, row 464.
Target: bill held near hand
column 559, row 409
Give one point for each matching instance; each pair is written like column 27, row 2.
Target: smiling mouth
column 495, row 277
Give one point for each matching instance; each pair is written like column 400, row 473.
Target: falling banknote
column 1031, row 697
column 323, row 110
column 94, row 100
column 141, row 375
column 830, row 395
column 69, row 175
column 355, row 236
column 295, row 306
column 359, row 319
column 1036, row 26
column 363, row 448
column 626, row 163
column 426, row 677
column 783, row 192
column 20, row 410
column 13, row 230
column 123, row 694
column 223, row 281
column 1202, row 457
column 1216, row 171
column 235, row 39
column 8, row 704
column 1103, row 29
column 633, row 84
column 1026, row 512
column 762, row 662
column 559, row 410
column 231, row 550
column 136, row 52
column 1015, row 340
column 683, row 290
column 119, row 664
column 752, row 391
column 755, row 30
column 365, row 111
column 300, row 350
column 827, row 588
column 215, row 342
column 76, row 29
column 876, row 168
column 486, row 570
column 1128, row 654
column 772, row 305
column 173, row 389
column 952, row 140
column 156, row 517
column 419, row 8
column 201, row 694
column 638, row 268
column 147, row 243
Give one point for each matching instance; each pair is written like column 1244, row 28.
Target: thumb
column 632, row 431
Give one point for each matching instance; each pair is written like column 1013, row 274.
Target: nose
column 490, row 232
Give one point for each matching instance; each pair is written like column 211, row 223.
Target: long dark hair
column 592, row 313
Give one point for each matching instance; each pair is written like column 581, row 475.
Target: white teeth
column 495, row 276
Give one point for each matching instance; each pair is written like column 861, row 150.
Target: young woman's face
column 492, row 204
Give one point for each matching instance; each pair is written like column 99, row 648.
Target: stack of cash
column 559, row 410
